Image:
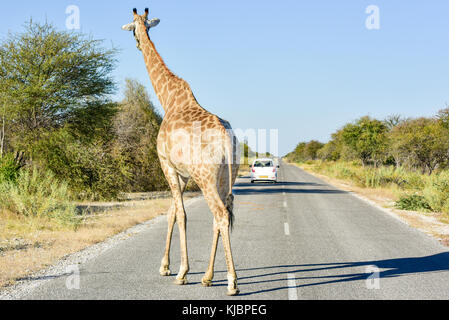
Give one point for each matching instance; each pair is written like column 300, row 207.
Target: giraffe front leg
column 165, row 263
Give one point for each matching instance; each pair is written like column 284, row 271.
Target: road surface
column 298, row 239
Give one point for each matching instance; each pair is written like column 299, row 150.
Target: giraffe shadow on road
column 388, row 268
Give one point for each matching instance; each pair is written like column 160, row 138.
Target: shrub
column 90, row 171
column 9, row 169
column 436, row 192
column 38, row 194
column 414, row 202
column 414, row 181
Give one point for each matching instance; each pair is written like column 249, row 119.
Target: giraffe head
column 140, row 25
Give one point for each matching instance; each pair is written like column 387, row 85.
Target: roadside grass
column 31, row 243
column 36, row 195
column 407, row 190
column 244, row 166
column 243, row 170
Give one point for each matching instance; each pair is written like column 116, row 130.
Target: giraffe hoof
column 233, row 292
column 165, row 273
column 206, row 283
column 180, row 282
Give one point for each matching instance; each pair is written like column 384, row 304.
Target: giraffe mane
column 172, row 75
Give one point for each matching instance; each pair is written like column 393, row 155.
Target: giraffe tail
column 230, row 208
column 230, row 198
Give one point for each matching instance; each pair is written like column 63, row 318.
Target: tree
column 305, row 151
column 393, row 120
column 367, row 138
column 136, row 128
column 2, row 129
column 47, row 75
column 422, row 143
column 311, row 149
column 298, row 153
column 54, row 91
column 329, row 152
column 443, row 117
column 5, row 116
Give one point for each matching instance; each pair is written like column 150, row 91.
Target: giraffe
column 192, row 144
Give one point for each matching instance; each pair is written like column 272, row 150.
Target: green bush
column 414, row 181
column 9, row 169
column 436, row 192
column 37, row 193
column 89, row 169
column 414, row 202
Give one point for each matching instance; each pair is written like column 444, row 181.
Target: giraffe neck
column 170, row 89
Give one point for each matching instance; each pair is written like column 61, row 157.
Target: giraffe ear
column 152, row 23
column 129, row 27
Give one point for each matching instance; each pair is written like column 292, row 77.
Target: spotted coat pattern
column 192, row 144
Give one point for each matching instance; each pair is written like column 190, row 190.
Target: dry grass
column 243, row 170
column 432, row 223
column 244, row 166
column 31, row 244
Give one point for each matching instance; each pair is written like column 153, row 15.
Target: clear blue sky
column 303, row 67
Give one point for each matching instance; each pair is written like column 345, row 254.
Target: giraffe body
column 192, row 144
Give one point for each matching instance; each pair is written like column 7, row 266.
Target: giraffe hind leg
column 222, row 221
column 206, row 281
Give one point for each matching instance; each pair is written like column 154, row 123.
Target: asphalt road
column 298, row 239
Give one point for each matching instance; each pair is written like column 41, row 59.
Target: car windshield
column 263, row 164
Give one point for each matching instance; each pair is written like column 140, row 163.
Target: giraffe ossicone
column 208, row 153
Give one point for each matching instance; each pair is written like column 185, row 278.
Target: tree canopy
column 57, row 114
column 419, row 143
column 366, row 137
column 136, row 127
column 46, row 75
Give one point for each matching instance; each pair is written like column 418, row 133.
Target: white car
column 264, row 170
